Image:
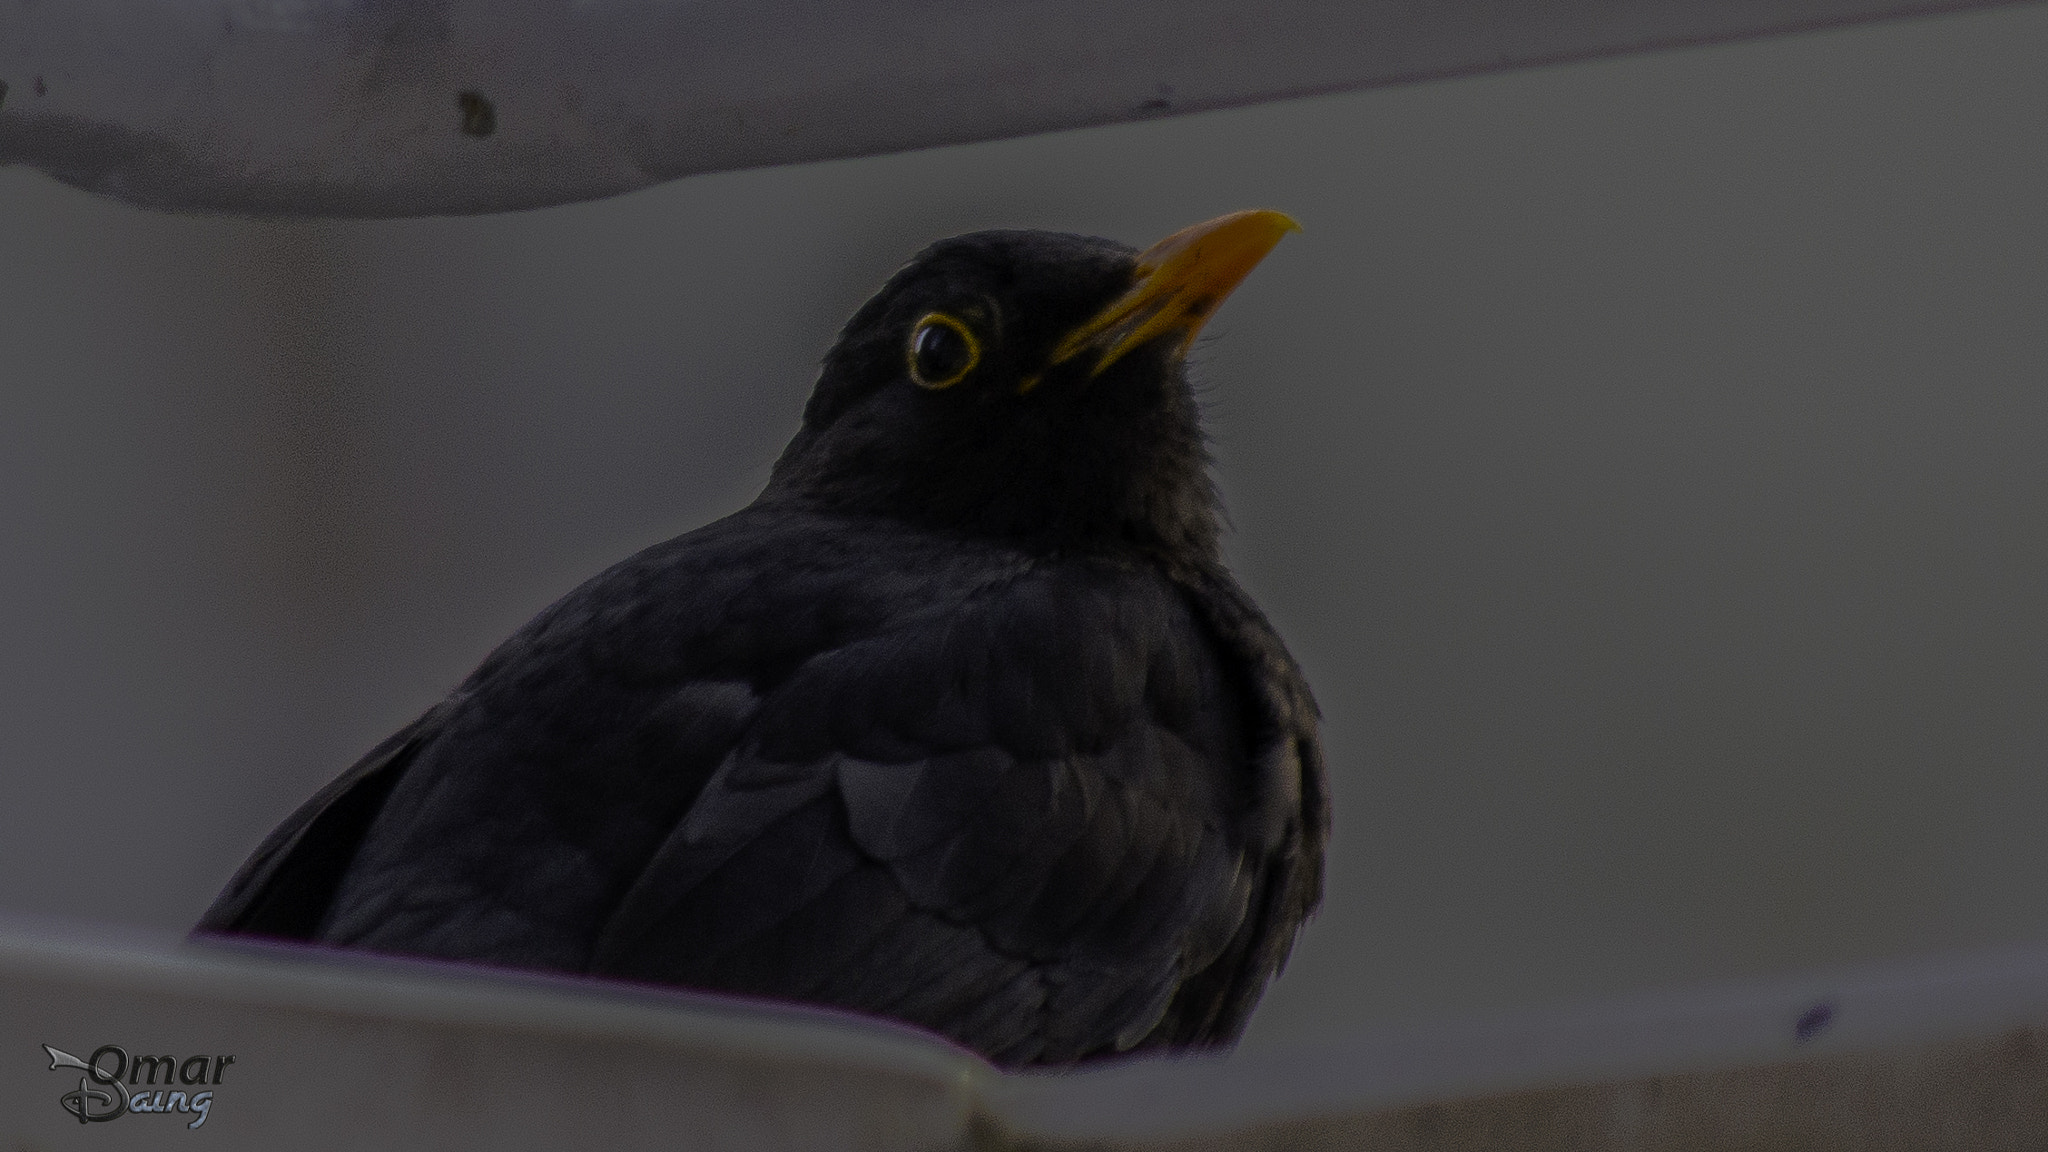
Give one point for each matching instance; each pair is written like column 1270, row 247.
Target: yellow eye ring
column 941, row 351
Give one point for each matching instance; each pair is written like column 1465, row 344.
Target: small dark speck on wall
column 3, row 93
column 479, row 118
column 40, row 87
column 1163, row 102
column 1814, row 1021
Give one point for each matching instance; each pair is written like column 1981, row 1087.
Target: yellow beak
column 1181, row 280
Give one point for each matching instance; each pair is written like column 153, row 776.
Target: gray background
column 1645, row 457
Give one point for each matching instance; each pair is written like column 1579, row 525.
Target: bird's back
column 1051, row 806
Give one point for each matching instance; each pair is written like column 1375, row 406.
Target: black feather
column 961, row 722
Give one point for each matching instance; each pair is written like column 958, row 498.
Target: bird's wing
column 576, row 747
column 285, row 886
column 1009, row 819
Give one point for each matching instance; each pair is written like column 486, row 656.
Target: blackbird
column 961, row 722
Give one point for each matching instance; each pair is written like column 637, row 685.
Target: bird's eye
column 942, row 351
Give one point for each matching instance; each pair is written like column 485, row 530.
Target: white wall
column 1644, row 456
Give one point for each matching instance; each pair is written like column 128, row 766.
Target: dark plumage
column 961, row 722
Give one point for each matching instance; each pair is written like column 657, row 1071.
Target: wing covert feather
column 953, row 788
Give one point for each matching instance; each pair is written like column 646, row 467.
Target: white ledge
column 383, row 108
column 343, row 1051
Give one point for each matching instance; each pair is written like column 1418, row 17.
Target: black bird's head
column 1029, row 386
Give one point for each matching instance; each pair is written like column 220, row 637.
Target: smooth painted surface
column 323, row 1052
column 308, row 1049
column 359, row 108
column 1643, row 456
